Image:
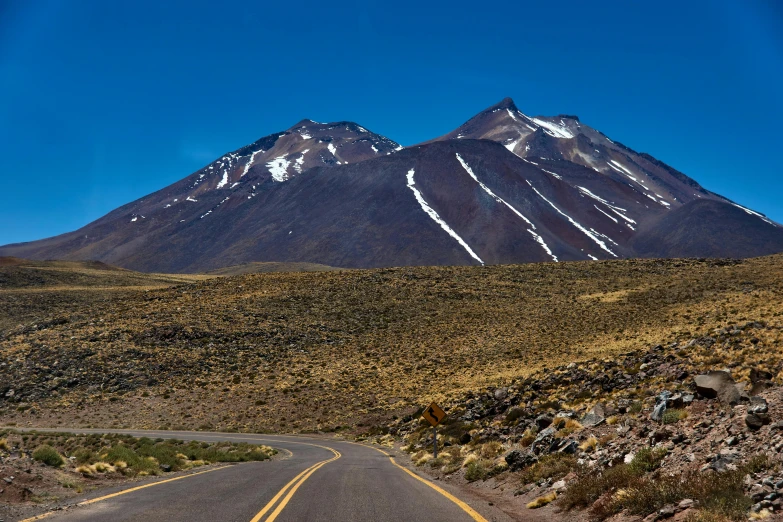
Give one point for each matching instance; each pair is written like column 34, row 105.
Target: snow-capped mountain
column 502, row 188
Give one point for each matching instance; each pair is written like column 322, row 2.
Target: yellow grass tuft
column 589, row 445
column 542, row 501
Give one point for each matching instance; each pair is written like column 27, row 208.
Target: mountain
column 502, row 188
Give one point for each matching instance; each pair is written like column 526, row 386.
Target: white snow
column 605, row 214
column 624, row 169
column 558, row 131
column 437, row 219
column 278, row 167
column 592, row 257
column 224, row 181
column 305, row 136
column 234, row 184
column 191, row 199
column 753, row 213
column 511, row 114
column 361, row 129
column 300, row 161
column 511, row 146
column 398, row 148
column 167, row 206
column 332, row 149
column 250, row 161
column 552, row 173
column 497, row 198
column 134, row 219
column 374, row 148
column 577, row 225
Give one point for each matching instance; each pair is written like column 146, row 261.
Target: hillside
column 347, row 349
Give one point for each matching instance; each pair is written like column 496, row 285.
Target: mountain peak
column 505, row 103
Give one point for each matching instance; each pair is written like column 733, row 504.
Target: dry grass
column 542, row 501
column 354, row 348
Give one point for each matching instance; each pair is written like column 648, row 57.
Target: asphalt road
column 317, row 480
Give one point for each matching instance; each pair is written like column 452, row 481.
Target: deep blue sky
column 102, row 102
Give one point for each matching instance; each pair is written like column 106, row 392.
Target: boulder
column 758, row 405
column 543, row 421
column 595, row 416
column 657, row 413
column 718, row 385
column 518, row 459
column 755, row 421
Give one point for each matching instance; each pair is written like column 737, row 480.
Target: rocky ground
column 673, row 413
column 346, row 351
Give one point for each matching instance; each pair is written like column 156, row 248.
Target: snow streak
column 250, row 161
column 558, row 131
column 577, row 225
column 497, row 198
column 437, row 219
column 224, row 181
column 752, row 213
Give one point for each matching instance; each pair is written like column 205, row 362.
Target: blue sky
column 104, row 102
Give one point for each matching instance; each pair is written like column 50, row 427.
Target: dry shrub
column 542, row 501
column 554, row 466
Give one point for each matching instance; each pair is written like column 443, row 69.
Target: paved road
column 321, row 480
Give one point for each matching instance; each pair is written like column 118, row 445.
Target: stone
column 517, row 459
column 543, row 421
column 559, row 485
column 718, row 385
column 165, row 467
column 755, row 421
column 686, row 503
column 732, row 441
column 595, row 416
column 569, row 447
column 501, row 394
column 666, row 512
column 758, row 405
column 657, row 413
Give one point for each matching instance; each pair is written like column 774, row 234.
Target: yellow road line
column 287, row 498
column 124, row 492
column 295, row 482
column 466, row 508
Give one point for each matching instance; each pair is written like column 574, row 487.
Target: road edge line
column 123, row 492
column 284, row 502
column 465, row 507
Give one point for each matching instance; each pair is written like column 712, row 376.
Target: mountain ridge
column 503, row 187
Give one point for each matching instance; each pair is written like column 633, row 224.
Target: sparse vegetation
column 48, row 455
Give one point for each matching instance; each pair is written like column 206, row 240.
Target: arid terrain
column 338, row 350
column 549, row 372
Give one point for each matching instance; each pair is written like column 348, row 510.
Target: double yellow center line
column 292, row 487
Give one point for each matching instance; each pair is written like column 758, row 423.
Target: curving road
column 319, row 480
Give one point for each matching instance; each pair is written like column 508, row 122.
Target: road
column 317, row 480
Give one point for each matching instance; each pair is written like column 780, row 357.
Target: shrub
column 4, row 444
column 554, row 466
column 673, row 416
column 647, row 459
column 542, row 501
column 49, row 456
column 478, row 469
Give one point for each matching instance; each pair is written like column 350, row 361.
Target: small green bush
column 49, row 456
column 554, row 466
column 673, row 416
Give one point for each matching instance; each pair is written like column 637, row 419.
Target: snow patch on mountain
column 250, row 161
column 558, row 131
column 573, row 222
column 497, row 198
column 223, row 181
column 437, row 219
column 300, row 161
column 278, row 167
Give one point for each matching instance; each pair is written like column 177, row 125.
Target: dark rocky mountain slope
column 502, row 188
